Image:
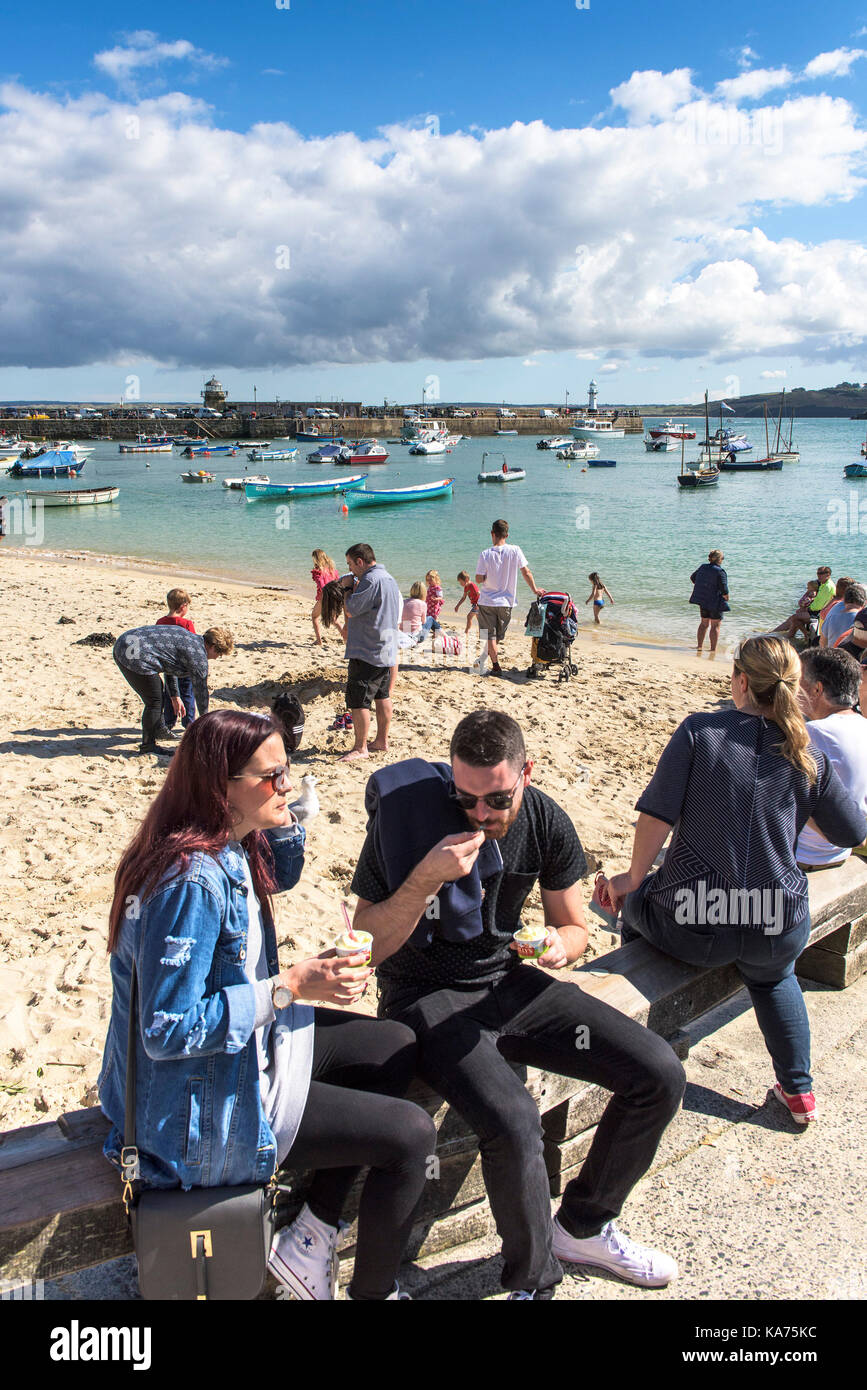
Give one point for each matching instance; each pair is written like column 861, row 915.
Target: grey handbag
column 206, row 1243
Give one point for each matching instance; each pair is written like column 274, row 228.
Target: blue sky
column 675, row 234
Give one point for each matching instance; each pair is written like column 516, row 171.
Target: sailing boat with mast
column 784, row 449
column 699, row 474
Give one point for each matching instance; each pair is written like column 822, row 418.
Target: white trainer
column 304, row 1257
column 614, row 1251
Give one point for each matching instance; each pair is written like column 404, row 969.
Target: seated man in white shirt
column 829, row 691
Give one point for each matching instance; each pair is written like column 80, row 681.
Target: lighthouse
column 592, row 395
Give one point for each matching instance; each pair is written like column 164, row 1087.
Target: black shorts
column 712, row 613
column 366, row 683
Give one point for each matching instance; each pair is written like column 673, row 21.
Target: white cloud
column 143, row 49
column 752, row 85
column 528, row 362
column 653, row 95
column 642, row 370
column 834, row 64
column 610, row 367
column 772, row 376
column 138, row 237
column 746, row 56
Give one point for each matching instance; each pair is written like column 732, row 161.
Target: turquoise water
column 632, row 523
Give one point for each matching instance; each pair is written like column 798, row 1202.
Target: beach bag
column 210, row 1243
column 535, row 624
column 289, row 711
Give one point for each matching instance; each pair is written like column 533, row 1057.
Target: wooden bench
column 60, row 1206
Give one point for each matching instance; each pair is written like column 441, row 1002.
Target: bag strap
column 129, row 1161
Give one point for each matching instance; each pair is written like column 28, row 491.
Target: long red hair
column 192, row 813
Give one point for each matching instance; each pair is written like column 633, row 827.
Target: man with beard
column 450, row 857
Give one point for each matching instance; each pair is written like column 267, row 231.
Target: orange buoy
column 345, row 509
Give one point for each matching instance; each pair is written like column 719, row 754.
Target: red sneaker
column 802, row 1108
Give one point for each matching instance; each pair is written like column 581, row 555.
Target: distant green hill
column 847, row 399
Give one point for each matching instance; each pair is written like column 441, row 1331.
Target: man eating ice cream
column 450, row 857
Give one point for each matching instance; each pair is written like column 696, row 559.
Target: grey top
column 374, row 608
column 167, row 650
column 284, row 1039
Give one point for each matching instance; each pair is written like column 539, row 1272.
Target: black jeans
column 149, row 689
column 352, row 1120
column 465, row 1042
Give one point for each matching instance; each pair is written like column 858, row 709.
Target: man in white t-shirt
column 829, row 690
column 497, row 573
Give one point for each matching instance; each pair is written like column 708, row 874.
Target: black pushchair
column 552, row 623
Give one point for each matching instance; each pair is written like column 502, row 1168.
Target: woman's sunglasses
column 496, row 801
column 279, row 779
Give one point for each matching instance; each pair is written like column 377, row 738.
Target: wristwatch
column 281, row 995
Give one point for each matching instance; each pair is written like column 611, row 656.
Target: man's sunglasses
column 279, row 779
column 496, row 801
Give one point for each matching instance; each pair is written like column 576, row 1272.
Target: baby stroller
column 552, row 623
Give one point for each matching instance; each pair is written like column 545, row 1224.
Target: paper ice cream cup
column 534, row 937
column 345, row 946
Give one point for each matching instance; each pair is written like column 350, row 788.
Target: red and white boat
column 363, row 451
column 672, row 430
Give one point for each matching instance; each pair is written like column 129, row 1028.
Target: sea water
column 633, row 523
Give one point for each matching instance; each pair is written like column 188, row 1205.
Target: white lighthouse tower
column 592, row 396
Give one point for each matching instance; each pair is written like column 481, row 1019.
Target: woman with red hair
column 236, row 1074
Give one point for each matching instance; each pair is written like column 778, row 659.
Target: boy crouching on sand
column 178, row 603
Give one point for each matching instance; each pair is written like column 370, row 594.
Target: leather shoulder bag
column 201, row 1244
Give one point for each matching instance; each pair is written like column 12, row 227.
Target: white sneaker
column 614, row 1251
column 304, row 1257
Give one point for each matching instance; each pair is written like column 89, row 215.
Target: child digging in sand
column 596, row 596
column 178, row 603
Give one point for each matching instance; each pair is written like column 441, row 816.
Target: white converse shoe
column 304, row 1257
column 614, row 1251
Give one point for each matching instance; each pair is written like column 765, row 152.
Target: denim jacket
column 199, row 1119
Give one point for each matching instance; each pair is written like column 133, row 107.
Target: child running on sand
column 471, row 591
column 178, row 603
column 324, row 570
column 596, row 596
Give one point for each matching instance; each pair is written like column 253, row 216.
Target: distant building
column 213, row 396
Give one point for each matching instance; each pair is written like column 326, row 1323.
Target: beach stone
column 97, row 639
column 66, row 620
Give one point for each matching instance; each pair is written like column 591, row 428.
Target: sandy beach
column 75, row 787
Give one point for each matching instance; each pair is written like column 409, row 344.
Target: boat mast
column 779, row 422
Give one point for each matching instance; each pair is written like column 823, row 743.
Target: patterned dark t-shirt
column 542, row 845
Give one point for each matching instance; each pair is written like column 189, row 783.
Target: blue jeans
column 766, row 965
column 185, row 687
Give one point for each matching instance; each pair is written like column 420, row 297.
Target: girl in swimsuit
column 596, row 596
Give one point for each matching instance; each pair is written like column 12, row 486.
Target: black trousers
column 352, row 1120
column 465, row 1043
column 150, row 690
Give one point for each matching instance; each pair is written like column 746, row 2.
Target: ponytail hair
column 773, row 671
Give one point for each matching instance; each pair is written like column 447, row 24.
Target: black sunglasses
column 496, row 801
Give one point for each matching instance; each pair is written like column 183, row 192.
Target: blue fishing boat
column 384, row 497
column 256, row 492
column 190, row 452
column 855, row 470
column 56, row 463
column 602, row 463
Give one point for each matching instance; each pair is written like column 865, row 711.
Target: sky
column 396, row 199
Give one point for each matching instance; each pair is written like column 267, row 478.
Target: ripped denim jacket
column 199, row 1117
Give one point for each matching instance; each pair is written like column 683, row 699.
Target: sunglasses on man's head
column 495, row 801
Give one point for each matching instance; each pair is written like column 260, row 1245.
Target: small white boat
column 556, row 441
column 579, row 449
column 238, row 484
column 429, row 446
column 507, row 431
column 595, row 429
column 145, row 448
column 271, row 455
column 673, row 430
column 663, row 444
column 198, row 477
column 75, row 497
column 503, row 474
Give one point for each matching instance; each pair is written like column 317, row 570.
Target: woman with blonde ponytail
column 737, row 786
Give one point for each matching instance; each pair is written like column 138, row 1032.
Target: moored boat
column 556, row 441
column 382, row 497
column 238, row 484
column 207, row 449
column 602, row 463
column 855, row 470
column 271, row 455
column 200, row 476
column 579, row 449
column 671, row 430
column 663, row 444
column 365, row 451
column 164, row 448
column 326, row 453
column 590, row 428
column 75, row 497
column 257, row 492
column 58, row 463
column 503, row 474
